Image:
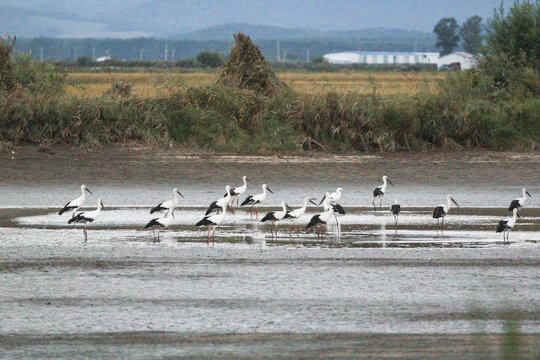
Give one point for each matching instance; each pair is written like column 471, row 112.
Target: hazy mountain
column 266, row 32
column 121, row 18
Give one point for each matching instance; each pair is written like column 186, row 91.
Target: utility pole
column 172, row 54
column 141, row 52
column 277, row 59
column 94, row 52
column 166, row 50
column 108, row 53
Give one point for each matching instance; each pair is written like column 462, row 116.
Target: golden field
column 152, row 84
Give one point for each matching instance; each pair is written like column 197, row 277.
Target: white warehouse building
column 382, row 57
column 465, row 60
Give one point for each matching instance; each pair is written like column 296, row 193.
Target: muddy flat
column 370, row 288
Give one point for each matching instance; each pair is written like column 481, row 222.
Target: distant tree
column 447, row 37
column 471, row 34
column 291, row 57
column 515, row 36
column 84, row 61
column 210, row 58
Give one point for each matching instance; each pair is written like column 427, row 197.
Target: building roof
column 391, row 53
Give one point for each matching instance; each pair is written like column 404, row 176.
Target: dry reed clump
column 246, row 68
column 120, row 88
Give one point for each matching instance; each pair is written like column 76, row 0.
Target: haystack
column 246, row 68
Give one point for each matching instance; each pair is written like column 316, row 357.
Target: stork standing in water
column 440, row 211
column 240, row 190
column 256, row 199
column 320, row 221
column 74, row 205
column 519, row 202
column 297, row 213
column 379, row 191
column 506, row 225
column 329, row 204
column 275, row 216
column 218, row 204
column 213, row 221
column 395, row 209
column 168, row 206
column 87, row 217
column 158, row 223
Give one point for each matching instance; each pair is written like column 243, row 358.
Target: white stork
column 320, row 220
column 74, row 205
column 86, row 217
column 218, row 204
column 379, row 191
column 240, row 190
column 506, row 225
column 519, row 202
column 158, row 223
column 168, row 206
column 213, row 221
column 256, row 199
column 440, row 211
column 395, row 209
column 330, row 205
column 297, row 213
column 275, row 216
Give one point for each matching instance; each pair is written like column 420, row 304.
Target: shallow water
column 372, row 278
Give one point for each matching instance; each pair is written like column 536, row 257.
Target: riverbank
column 123, row 165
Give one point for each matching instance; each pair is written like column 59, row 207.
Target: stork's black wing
column 249, row 201
column 438, row 212
column 213, row 207
column 158, row 208
column 503, row 225
column 269, row 217
column 377, row 191
column 514, row 205
column 338, row 209
column 315, row 220
column 395, row 209
column 66, row 208
column 80, row 218
column 204, row 222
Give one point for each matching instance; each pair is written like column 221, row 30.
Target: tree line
column 449, row 33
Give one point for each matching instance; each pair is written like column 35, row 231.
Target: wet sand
column 131, row 165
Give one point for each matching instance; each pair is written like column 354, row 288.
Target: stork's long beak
column 89, row 191
column 324, row 197
column 267, row 188
column 230, row 208
column 179, row 193
column 519, row 216
column 389, row 182
column 248, row 180
column 454, row 201
column 288, row 207
column 528, row 194
column 311, row 201
column 102, row 206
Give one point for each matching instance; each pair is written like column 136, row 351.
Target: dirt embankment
column 117, row 165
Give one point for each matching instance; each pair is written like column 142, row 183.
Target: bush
column 210, row 59
column 7, row 80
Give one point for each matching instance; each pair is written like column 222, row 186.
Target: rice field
column 153, row 84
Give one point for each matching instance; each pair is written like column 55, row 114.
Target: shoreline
column 28, row 165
